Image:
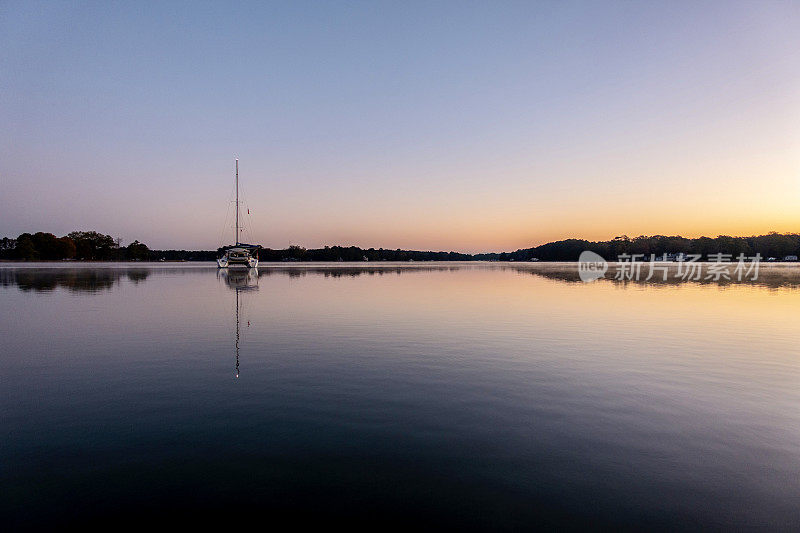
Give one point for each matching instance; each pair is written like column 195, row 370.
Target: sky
column 467, row 126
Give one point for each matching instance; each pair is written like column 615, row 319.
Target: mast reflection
column 240, row 281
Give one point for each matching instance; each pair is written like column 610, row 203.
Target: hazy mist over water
column 472, row 395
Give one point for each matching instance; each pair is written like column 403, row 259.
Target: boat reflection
column 240, row 280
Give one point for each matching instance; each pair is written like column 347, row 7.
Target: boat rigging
column 239, row 254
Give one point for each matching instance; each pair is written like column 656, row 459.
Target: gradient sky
column 471, row 126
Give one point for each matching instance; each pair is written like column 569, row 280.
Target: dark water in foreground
column 471, row 396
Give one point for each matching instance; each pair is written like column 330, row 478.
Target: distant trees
column 50, row 247
column 7, row 247
column 91, row 245
column 39, row 246
column 354, row 253
column 24, row 248
column 770, row 245
column 776, row 245
column 87, row 245
column 137, row 251
column 185, row 255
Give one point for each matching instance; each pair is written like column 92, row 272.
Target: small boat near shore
column 239, row 254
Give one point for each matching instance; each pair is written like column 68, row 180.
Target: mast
column 236, row 241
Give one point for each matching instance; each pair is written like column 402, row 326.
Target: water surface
column 472, row 395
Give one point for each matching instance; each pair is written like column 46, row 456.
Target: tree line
column 354, row 253
column 80, row 245
column 778, row 245
column 94, row 246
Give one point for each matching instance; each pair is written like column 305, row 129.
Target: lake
column 468, row 395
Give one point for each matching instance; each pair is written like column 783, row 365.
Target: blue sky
column 446, row 125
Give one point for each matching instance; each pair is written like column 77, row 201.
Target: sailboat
column 240, row 254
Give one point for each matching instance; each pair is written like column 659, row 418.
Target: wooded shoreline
column 95, row 246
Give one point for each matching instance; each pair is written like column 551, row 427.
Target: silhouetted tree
column 49, row 247
column 93, row 245
column 137, row 251
column 25, row 249
column 7, row 248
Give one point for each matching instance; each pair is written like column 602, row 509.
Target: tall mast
column 237, row 202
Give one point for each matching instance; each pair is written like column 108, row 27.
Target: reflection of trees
column 72, row 279
column 351, row 271
column 138, row 275
column 771, row 276
column 92, row 279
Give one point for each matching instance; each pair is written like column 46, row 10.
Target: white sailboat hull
column 225, row 262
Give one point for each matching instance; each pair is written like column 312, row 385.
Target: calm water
column 468, row 395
